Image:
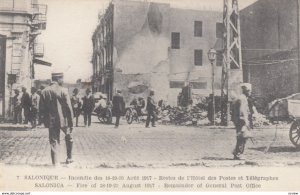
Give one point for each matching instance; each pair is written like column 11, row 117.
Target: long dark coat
column 88, row 104
column 118, row 107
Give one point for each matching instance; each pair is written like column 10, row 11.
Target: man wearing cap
column 118, row 107
column 58, row 115
column 240, row 118
column 17, row 107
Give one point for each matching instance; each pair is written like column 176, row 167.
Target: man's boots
column 69, row 145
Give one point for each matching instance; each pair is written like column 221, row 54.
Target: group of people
column 27, row 105
column 85, row 105
column 57, row 109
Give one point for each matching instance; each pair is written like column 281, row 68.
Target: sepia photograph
column 149, row 95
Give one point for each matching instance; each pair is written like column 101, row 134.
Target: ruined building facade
column 270, row 48
column 155, row 45
column 20, row 24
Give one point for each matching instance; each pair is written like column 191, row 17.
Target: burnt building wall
column 268, row 26
column 270, row 36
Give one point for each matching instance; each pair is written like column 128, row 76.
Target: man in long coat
column 26, row 104
column 58, row 115
column 88, row 106
column 151, row 110
column 118, row 107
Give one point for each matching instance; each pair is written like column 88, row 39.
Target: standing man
column 40, row 115
column 76, row 105
column 26, row 105
column 17, row 107
column 58, row 115
column 34, row 110
column 118, row 107
column 240, row 119
column 88, row 106
column 151, row 109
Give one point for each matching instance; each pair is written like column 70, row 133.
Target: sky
column 70, row 25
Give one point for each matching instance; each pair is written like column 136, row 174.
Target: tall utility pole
column 232, row 72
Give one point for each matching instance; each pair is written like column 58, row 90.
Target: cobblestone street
column 135, row 146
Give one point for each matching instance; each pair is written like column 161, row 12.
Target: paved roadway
column 136, row 146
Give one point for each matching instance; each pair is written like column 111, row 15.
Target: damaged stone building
column 21, row 21
column 155, row 45
column 270, row 48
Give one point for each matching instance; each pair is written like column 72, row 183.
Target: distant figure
column 88, row 106
column 35, row 104
column 17, row 107
column 76, row 105
column 40, row 116
column 118, row 107
column 210, row 108
column 26, row 105
column 58, row 114
column 140, row 106
column 103, row 102
column 240, row 118
column 151, row 110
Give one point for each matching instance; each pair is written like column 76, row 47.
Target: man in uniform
column 240, row 119
column 58, row 115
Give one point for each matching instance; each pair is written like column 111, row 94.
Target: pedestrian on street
column 40, row 116
column 17, row 103
column 118, row 107
column 140, row 106
column 34, row 110
column 151, row 110
column 88, row 106
column 76, row 105
column 26, row 104
column 240, row 118
column 58, row 115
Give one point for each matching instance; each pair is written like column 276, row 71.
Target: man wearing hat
column 151, row 110
column 17, row 107
column 88, row 106
column 76, row 105
column 240, row 118
column 58, row 115
column 118, row 107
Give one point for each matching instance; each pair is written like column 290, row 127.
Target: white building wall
column 14, row 18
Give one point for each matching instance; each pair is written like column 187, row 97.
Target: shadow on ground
column 215, row 158
column 10, row 128
column 277, row 149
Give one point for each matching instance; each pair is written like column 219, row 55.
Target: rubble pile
column 199, row 115
column 260, row 120
column 183, row 115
